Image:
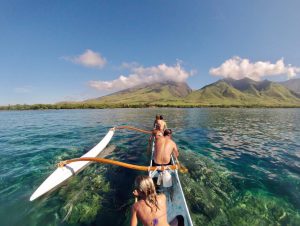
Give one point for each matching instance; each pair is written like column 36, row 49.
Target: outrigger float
column 176, row 203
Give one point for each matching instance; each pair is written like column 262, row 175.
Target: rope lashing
column 117, row 163
column 133, row 128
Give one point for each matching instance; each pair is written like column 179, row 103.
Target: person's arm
column 175, row 151
column 154, row 124
column 150, row 144
column 134, row 220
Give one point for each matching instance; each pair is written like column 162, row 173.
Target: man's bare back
column 164, row 147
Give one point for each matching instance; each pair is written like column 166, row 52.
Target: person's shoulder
column 159, row 133
column 171, row 141
column 161, row 199
column 160, row 138
column 137, row 205
column 161, row 196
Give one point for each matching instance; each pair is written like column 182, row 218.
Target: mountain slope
column 227, row 92
column 223, row 93
column 292, row 84
column 244, row 92
column 217, row 93
column 156, row 93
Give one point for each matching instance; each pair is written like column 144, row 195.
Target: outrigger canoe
column 176, row 203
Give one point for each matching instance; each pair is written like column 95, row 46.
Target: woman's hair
column 147, row 191
column 161, row 117
column 157, row 117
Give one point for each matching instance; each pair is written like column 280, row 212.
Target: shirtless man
column 164, row 147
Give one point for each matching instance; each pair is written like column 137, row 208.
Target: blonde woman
column 151, row 209
column 159, row 120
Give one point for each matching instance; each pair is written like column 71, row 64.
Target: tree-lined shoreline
column 22, row 107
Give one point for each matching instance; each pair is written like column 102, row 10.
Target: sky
column 53, row 51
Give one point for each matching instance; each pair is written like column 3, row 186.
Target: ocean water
column 244, row 165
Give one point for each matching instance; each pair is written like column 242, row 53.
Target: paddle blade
column 183, row 169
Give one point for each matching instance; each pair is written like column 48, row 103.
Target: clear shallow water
column 244, row 165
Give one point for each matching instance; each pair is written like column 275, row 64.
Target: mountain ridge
column 292, row 84
column 244, row 92
column 145, row 93
column 224, row 92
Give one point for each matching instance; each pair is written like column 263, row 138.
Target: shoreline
column 24, row 107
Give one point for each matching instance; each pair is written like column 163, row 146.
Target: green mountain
column 149, row 94
column 223, row 93
column 227, row 92
column 244, row 92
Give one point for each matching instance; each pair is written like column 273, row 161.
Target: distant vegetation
column 223, row 93
column 101, row 106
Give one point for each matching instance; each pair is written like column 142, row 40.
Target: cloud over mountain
column 88, row 59
column 140, row 75
column 238, row 68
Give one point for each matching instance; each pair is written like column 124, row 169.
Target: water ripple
column 259, row 148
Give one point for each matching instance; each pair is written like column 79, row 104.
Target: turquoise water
column 244, row 165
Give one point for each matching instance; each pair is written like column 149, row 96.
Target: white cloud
column 129, row 65
column 238, row 68
column 23, row 90
column 140, row 75
column 88, row 59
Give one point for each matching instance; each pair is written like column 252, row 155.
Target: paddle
column 182, row 168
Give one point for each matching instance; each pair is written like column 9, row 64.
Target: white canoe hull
column 61, row 174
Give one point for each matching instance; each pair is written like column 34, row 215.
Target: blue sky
column 72, row 50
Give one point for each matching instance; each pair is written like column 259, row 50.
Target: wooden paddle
column 182, row 168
